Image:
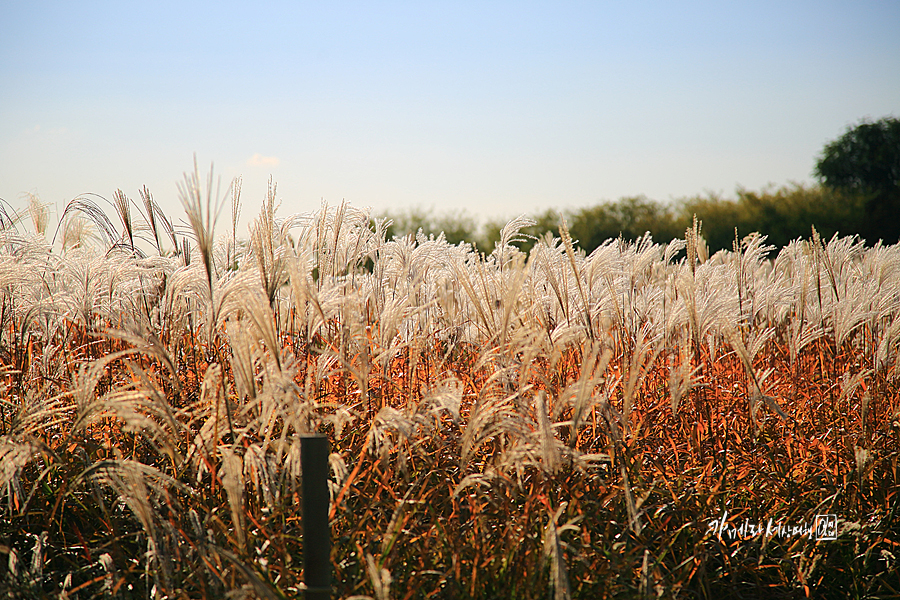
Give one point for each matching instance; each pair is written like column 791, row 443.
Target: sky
column 492, row 108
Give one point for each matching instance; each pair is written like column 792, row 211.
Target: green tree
column 865, row 161
column 782, row 214
column 456, row 226
column 629, row 217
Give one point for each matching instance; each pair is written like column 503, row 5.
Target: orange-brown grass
column 681, row 471
column 502, row 430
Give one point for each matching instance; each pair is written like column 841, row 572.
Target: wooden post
column 316, row 530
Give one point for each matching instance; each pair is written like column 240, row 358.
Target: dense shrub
column 783, row 214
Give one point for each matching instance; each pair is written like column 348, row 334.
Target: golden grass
column 502, row 426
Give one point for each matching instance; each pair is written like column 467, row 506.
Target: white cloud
column 40, row 132
column 258, row 160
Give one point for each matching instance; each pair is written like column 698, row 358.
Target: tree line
column 858, row 193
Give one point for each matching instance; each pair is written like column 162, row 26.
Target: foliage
column 865, row 161
column 784, row 214
column 457, row 227
column 630, row 217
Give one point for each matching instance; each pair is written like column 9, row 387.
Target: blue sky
column 496, row 108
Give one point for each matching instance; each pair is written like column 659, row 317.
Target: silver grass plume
column 481, row 483
column 244, row 358
column 40, row 215
column 156, row 218
column 272, row 271
column 681, row 380
column 646, row 349
column 581, row 393
column 260, row 314
column 141, row 406
column 202, row 215
column 888, row 347
column 445, row 397
column 481, row 301
column 109, row 567
column 554, row 552
column 395, row 525
column 235, row 216
column 339, row 419
column 14, row 456
column 390, row 426
column 380, row 578
column 567, row 243
column 150, row 212
column 231, row 472
column 339, row 474
column 756, row 393
column 76, row 232
column 89, row 209
column 863, row 460
column 37, row 555
column 509, row 293
column 696, row 246
column 493, row 415
column 548, row 442
column 261, row 470
column 797, row 266
column 123, row 208
column 545, row 255
column 137, row 484
column 510, row 233
column 215, row 405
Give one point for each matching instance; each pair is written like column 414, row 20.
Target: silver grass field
column 550, row 425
